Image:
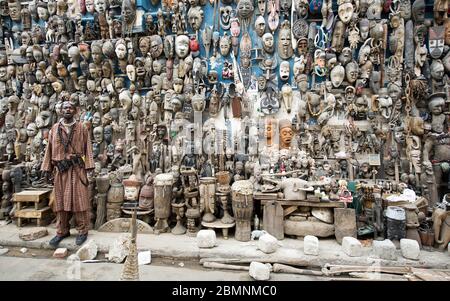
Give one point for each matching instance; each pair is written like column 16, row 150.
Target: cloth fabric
column 63, row 219
column 70, row 187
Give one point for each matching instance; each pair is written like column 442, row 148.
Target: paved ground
column 24, row 268
column 185, row 247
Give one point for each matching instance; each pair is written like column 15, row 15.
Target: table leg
column 225, row 233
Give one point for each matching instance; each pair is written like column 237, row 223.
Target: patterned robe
column 70, row 187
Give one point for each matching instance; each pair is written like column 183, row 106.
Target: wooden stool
column 217, row 224
column 32, row 204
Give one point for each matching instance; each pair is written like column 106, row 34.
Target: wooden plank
column 289, row 210
column 309, row 204
column 273, row 219
column 32, row 213
column 432, row 275
column 34, row 196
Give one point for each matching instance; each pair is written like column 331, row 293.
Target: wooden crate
column 40, row 215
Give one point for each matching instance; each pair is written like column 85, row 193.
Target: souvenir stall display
column 296, row 115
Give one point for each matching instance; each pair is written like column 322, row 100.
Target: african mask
column 42, row 12
column 375, row 79
column 268, row 43
column 284, row 70
column 182, row 46
column 364, row 28
column 346, row 56
column 384, row 103
column 374, row 10
column 286, row 133
column 345, row 11
column 245, row 9
column 144, row 45
column 260, row 26
column 338, row 36
column 131, row 73
column 446, row 62
column 121, row 50
column 195, row 17
column 225, row 15
column 90, row 6
column 440, row 10
column 447, row 32
column 405, row 9
column 100, row 6
column 261, row 7
column 285, row 50
column 225, row 44
column 418, row 11
column 14, row 10
column 337, row 75
column 269, row 101
column 436, row 41
column 351, row 72
column 157, row 47
column 437, row 70
column 287, row 95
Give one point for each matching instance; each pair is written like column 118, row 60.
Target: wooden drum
column 163, row 195
column 242, row 202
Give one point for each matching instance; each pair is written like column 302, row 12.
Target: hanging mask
column 337, row 75
column 225, row 44
column 284, row 70
column 418, row 11
column 436, row 41
column 352, row 72
column 364, row 28
column 405, row 9
column 206, row 39
column 285, row 6
column 287, row 95
column 261, row 7
column 315, row 6
column 338, row 37
column 182, row 46
column 260, row 26
column 345, row 10
column 285, row 50
column 268, row 43
column 300, row 28
column 245, row 10
column 246, row 50
column 195, row 17
column 269, row 102
column 301, row 8
column 225, row 15
column 169, row 46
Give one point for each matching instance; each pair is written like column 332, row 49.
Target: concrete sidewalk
column 185, row 247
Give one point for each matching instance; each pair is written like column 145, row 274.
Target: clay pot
column 116, row 193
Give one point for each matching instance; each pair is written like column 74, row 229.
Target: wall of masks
column 323, row 90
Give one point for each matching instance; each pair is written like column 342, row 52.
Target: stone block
column 345, row 223
column 3, row 251
column 267, row 243
column 352, row 247
column 384, row 249
column 410, row 248
column 60, row 253
column 259, row 271
column 206, row 239
column 34, row 233
column 120, row 249
column 88, row 251
column 311, row 245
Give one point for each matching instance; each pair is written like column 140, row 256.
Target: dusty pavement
column 37, row 265
column 185, row 248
